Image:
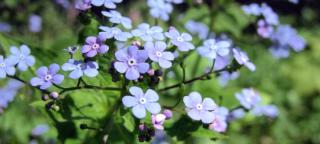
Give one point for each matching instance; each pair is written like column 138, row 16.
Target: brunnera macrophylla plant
column 142, row 54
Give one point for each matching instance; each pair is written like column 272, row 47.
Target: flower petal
column 206, row 117
column 57, row 79
column 132, row 74
column 151, row 95
column 194, row 114
column 129, row 101
column 209, row 104
column 153, row 108
column 139, row 111
column 121, row 67
column 75, row 74
column 136, row 91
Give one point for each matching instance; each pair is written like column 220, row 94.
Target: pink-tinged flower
column 158, row 120
column 264, row 29
column 219, row 123
column 94, row 45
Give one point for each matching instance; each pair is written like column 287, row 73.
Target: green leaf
column 129, row 122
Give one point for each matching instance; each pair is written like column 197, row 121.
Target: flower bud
column 158, row 73
column 167, row 113
column 141, row 138
column 56, row 108
column 136, row 43
column 54, row 95
column 151, row 72
column 45, row 97
column 142, row 127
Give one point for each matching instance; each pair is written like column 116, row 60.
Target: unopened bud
column 167, row 113
column 151, row 72
column 54, row 95
column 45, row 97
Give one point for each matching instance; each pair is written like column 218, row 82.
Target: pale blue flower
column 248, row 98
column 225, row 77
column 268, row 110
column 198, row 109
column 242, row 58
column 131, row 61
column 114, row 32
column 21, row 57
column 47, row 77
column 160, row 9
column 35, row 23
column 182, row 41
column 278, row 51
column 79, row 68
column 117, row 18
column 270, row 16
column 140, row 102
column 9, row 92
column 236, row 114
column 111, row 4
column 197, row 28
column 252, row 9
column 40, row 129
column 156, row 52
column 211, row 48
column 147, row 33
column 6, row 67
column 83, row 4
column 5, row 27
column 175, row 1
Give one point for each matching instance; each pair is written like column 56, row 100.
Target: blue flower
column 211, row 48
column 140, row 102
column 147, row 33
column 182, row 41
column 40, row 129
column 175, row 1
column 252, row 9
column 198, row 109
column 225, row 77
column 21, row 57
column 278, row 51
column 160, row 9
column 47, row 76
column 78, row 68
column 35, row 23
column 83, row 4
column 117, row 18
column 114, row 32
column 6, row 67
column 9, row 92
column 111, row 4
column 270, row 16
column 131, row 61
column 248, row 98
column 197, row 28
column 268, row 110
column 242, row 58
column 157, row 54
column 5, row 27
column 236, row 114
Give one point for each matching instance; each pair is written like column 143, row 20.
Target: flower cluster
column 283, row 37
column 162, row 8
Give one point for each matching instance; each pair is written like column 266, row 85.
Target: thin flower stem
column 201, row 77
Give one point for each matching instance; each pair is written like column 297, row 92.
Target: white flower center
column 149, row 32
column 213, row 46
column 115, row 32
column 199, row 107
column 142, row 100
column 48, row 77
column 159, row 54
column 95, row 46
column 180, row 39
column 79, row 66
column 2, row 65
column 21, row 57
column 132, row 62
